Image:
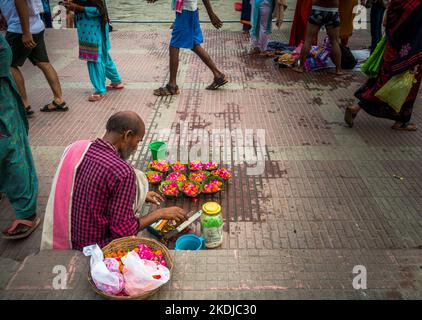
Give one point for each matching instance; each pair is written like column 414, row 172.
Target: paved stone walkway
column 326, row 201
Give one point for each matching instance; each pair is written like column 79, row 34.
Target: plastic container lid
column 211, row 208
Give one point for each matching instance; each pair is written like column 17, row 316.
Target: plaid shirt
column 103, row 198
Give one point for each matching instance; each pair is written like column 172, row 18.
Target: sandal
column 168, row 90
column 404, row 126
column 29, row 111
column 349, row 116
column 217, row 83
column 57, row 107
column 21, row 228
column 96, row 97
column 115, row 86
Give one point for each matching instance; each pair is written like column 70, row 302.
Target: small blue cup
column 190, row 242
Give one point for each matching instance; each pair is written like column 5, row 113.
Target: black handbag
column 348, row 60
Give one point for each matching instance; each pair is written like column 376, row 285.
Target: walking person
column 25, row 35
column 94, row 44
column 187, row 34
column 18, row 179
column 403, row 53
column 324, row 13
column 261, row 24
column 245, row 16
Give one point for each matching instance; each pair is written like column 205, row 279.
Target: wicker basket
column 129, row 243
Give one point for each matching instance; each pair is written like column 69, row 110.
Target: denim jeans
column 377, row 15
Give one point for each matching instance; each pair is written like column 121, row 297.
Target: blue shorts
column 187, row 31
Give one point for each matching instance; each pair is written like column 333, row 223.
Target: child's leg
column 111, row 70
column 97, row 76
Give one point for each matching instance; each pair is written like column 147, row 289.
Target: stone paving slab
column 327, row 192
column 239, row 274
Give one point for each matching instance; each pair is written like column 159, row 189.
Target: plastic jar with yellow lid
column 212, row 224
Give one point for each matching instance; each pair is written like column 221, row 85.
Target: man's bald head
column 125, row 121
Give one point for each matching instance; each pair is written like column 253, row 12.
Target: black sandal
column 168, row 90
column 58, row 107
column 217, row 83
column 29, row 111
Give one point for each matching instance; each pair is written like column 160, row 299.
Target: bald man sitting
column 96, row 195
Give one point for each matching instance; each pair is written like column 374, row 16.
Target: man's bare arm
column 22, row 9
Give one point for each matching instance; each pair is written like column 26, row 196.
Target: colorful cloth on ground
column 18, row 178
column 57, row 220
column 346, row 17
column 300, row 21
column 257, row 16
column 187, row 31
column 403, row 52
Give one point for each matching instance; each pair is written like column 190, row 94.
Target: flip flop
column 117, row 86
column 168, row 90
column 29, row 111
column 29, row 227
column 405, row 126
column 217, row 83
column 96, row 97
column 57, row 107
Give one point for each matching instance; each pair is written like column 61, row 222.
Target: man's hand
column 154, row 197
column 28, row 41
column 173, row 213
column 215, row 20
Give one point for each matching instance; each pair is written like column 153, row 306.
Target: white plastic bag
column 107, row 281
column 143, row 275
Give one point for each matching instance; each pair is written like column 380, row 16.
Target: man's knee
column 43, row 65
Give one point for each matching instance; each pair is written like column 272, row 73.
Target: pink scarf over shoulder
column 57, row 226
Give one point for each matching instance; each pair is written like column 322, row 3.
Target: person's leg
column 333, row 34
column 53, row 80
column 97, row 75
column 377, row 15
column 205, row 57
column 111, row 71
column 312, row 31
column 265, row 15
column 20, row 83
column 174, row 65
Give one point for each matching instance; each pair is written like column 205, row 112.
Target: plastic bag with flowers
column 191, row 189
column 154, row 177
column 178, row 176
column 143, row 275
column 106, row 277
column 212, row 185
column 170, row 189
column 223, row 173
column 159, row 165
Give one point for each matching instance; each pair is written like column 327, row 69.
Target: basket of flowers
column 178, row 166
column 198, row 176
column 211, row 166
column 212, row 185
column 159, row 165
column 191, row 189
column 169, row 189
column 196, row 165
column 154, row 177
column 177, row 176
column 223, row 173
column 146, row 249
